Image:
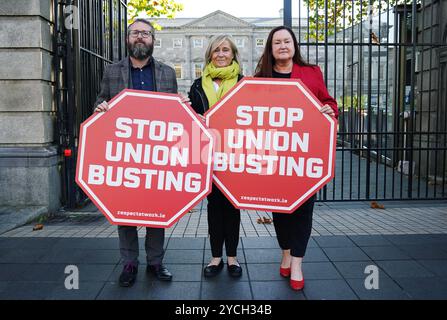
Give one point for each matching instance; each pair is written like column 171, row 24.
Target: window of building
column 157, row 43
column 382, row 71
column 322, row 66
column 178, row 70
column 198, row 68
column 260, row 42
column 198, row 43
column 354, row 71
column 245, row 70
column 178, row 43
column 240, row 42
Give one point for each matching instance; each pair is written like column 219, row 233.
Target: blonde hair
column 217, row 41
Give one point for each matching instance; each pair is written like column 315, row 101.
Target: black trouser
column 129, row 247
column 293, row 230
column 223, row 224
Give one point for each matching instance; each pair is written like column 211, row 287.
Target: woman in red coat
column 282, row 59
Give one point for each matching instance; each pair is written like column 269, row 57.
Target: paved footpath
column 406, row 241
column 354, row 218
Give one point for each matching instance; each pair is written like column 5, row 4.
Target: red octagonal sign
column 146, row 161
column 274, row 149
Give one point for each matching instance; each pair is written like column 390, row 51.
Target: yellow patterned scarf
column 228, row 75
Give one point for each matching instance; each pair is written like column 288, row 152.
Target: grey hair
column 217, row 41
column 145, row 21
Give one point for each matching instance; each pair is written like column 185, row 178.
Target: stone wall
column 29, row 174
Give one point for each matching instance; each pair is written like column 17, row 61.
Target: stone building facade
column 431, row 92
column 182, row 42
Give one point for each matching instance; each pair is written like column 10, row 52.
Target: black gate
column 385, row 63
column 88, row 34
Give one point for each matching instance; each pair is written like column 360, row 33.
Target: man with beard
column 139, row 71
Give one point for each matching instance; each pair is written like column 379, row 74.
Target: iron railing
column 81, row 54
column 385, row 63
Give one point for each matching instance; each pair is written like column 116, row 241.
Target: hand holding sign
column 327, row 109
column 102, row 107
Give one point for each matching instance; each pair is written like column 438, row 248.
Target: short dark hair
column 145, row 21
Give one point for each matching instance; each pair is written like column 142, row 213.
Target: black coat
column 198, row 98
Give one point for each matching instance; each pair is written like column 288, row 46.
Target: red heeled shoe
column 284, row 272
column 297, row 284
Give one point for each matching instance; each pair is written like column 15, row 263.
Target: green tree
column 153, row 9
column 344, row 14
column 354, row 102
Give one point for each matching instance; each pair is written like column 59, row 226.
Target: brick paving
column 355, row 218
column 406, row 242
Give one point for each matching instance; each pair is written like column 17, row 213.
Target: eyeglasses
column 144, row 34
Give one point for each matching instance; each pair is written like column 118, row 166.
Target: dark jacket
column 198, row 98
column 117, row 78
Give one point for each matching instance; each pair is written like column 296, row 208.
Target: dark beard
column 140, row 51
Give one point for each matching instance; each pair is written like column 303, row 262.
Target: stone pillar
column 29, row 174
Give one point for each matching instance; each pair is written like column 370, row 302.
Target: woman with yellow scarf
column 220, row 74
